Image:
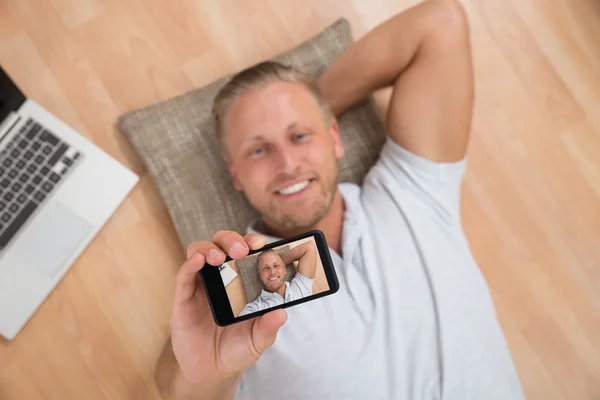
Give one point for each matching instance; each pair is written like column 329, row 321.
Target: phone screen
column 282, row 274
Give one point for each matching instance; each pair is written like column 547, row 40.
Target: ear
column 232, row 171
column 337, row 143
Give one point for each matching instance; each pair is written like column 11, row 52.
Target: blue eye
column 258, row 151
column 301, row 136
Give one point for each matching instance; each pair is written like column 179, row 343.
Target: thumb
column 264, row 330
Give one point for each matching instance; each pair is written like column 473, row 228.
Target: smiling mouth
column 295, row 188
column 274, row 278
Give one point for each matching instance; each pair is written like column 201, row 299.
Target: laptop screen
column 11, row 97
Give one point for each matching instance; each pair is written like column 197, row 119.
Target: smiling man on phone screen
column 271, row 270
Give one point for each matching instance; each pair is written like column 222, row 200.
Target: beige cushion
column 176, row 141
column 249, row 272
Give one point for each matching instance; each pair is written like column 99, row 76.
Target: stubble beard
column 290, row 219
column 280, row 283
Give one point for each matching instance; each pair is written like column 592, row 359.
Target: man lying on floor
column 413, row 318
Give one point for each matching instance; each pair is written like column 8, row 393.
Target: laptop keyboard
column 31, row 166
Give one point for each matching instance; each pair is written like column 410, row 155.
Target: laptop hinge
column 9, row 122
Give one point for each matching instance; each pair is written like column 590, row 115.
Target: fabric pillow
column 248, row 271
column 176, row 141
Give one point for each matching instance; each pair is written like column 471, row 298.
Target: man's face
column 271, row 271
column 282, row 154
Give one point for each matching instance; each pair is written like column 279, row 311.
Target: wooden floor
column 531, row 204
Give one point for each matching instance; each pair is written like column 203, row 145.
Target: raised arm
column 306, row 255
column 425, row 54
column 202, row 361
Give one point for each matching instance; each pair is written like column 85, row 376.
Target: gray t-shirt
column 413, row 318
column 299, row 287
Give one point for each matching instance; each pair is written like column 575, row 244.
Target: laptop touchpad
column 47, row 243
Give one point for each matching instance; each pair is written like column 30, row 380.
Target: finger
column 232, row 243
column 264, row 330
column 185, row 285
column 212, row 254
column 255, row 241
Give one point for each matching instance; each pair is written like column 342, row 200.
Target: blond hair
column 264, row 253
column 258, row 76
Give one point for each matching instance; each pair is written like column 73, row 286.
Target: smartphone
column 280, row 275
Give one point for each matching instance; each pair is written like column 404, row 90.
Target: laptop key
column 20, row 164
column 31, row 134
column 28, row 155
column 23, row 144
column 47, row 150
column 37, row 179
column 39, row 159
column 47, row 187
column 8, row 196
column 7, row 163
column 29, row 189
column 45, row 170
column 17, row 223
column 67, row 162
column 21, row 199
column 54, row 177
column 5, row 183
column 24, row 178
column 39, row 196
column 2, row 205
column 50, row 138
column 16, row 186
column 6, row 217
column 13, row 208
column 36, row 145
column 15, row 153
column 13, row 173
column 31, row 169
column 56, row 156
column 2, row 171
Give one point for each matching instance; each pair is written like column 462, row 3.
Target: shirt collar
column 351, row 195
column 353, row 222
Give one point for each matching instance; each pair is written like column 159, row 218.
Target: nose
column 285, row 161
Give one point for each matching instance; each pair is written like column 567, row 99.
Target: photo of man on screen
column 272, row 269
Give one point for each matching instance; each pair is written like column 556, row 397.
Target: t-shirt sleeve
column 302, row 284
column 249, row 309
column 432, row 183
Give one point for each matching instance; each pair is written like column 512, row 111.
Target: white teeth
column 272, row 279
column 295, row 188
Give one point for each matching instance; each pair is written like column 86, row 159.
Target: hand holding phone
column 204, row 351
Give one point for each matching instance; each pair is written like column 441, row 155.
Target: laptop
column 57, row 190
